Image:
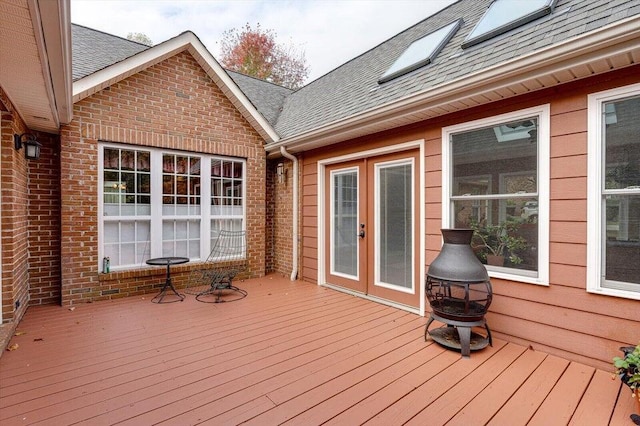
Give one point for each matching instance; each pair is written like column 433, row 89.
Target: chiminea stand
column 458, row 334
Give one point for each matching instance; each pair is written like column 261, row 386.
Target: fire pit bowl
column 459, row 293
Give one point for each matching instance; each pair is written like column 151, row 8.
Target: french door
column 371, row 234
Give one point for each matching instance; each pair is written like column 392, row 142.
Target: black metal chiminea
column 459, row 292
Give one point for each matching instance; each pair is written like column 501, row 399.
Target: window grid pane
column 180, row 185
column 126, row 182
column 128, row 177
column 127, row 243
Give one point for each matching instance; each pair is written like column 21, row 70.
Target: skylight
column 421, row 52
column 505, row 15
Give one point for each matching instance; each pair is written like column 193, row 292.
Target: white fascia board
column 186, row 41
column 51, row 21
column 618, row 37
column 105, row 77
column 55, row 32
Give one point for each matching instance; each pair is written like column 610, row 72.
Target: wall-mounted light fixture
column 31, row 145
column 280, row 172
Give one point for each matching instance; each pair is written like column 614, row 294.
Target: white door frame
column 322, row 220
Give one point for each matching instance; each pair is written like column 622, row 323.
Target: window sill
column 517, row 278
column 623, row 294
column 146, row 271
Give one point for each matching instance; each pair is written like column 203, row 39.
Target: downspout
column 285, row 154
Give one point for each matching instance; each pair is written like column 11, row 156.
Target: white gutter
column 619, row 37
column 51, row 21
column 294, row 268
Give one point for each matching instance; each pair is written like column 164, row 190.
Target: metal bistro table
column 167, row 261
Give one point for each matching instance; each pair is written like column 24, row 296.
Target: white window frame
column 332, row 242
column 595, row 166
column 544, row 140
column 157, row 217
column 377, row 221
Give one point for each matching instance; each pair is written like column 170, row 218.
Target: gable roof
column 268, row 98
column 95, row 74
column 94, row 50
column 579, row 39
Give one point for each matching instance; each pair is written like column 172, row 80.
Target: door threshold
column 365, row 296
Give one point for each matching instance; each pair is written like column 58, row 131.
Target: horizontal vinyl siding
column 563, row 318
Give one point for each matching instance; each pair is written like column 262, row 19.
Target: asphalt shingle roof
column 353, row 87
column 93, row 50
column 268, row 98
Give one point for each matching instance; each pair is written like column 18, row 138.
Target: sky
column 330, row 32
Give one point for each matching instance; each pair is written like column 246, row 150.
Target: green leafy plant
column 498, row 240
column 627, row 368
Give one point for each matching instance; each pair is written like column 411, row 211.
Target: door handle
column 361, row 233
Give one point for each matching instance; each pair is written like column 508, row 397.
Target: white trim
column 374, row 299
column 377, row 281
column 156, row 216
column 186, row 41
column 614, row 39
column 321, row 166
column 544, row 141
column 332, row 200
column 595, row 167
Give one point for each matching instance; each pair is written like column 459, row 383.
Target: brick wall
column 14, row 216
column 44, row 223
column 280, row 218
column 172, row 105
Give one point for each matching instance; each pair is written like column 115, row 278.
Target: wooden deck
column 289, row 353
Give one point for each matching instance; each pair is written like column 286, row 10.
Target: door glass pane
column 395, row 225
column 344, row 238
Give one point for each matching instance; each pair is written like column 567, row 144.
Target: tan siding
column 568, row 232
column 567, row 167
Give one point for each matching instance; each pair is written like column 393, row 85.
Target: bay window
column 496, row 181
column 613, row 237
column 157, row 203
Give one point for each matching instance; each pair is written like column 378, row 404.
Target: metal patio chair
column 213, row 281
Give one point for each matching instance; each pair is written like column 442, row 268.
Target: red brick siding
column 172, row 105
column 279, row 218
column 14, row 215
column 44, row 223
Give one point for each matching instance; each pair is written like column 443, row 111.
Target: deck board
column 290, row 352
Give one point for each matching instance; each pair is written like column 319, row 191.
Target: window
column 505, row 15
column 613, row 235
column 496, row 181
column 152, row 203
column 421, row 52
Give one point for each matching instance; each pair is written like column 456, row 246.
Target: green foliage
column 627, row 368
column 498, row 240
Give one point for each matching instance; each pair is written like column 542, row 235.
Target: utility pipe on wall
column 294, row 160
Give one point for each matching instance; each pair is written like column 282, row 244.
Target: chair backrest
column 229, row 247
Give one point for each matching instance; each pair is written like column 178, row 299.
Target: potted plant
column 496, row 243
column 627, row 368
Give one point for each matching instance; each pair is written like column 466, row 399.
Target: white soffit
column 35, row 58
column 186, row 41
column 615, row 46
